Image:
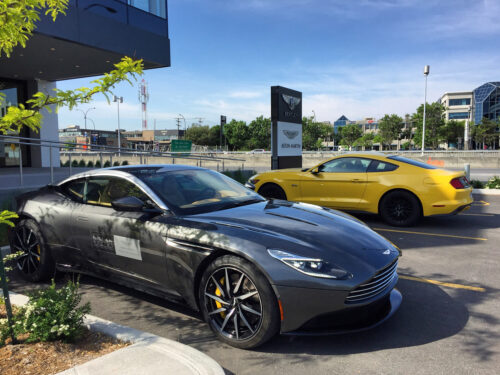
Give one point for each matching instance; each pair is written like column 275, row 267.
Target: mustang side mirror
column 315, row 170
column 128, row 204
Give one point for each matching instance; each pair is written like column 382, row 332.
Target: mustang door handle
column 356, row 180
column 82, row 218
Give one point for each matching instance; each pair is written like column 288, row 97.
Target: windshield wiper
column 242, row 203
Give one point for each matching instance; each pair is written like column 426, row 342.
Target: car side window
column 380, row 166
column 104, row 190
column 346, row 165
column 74, row 189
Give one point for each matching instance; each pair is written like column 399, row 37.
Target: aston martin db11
column 253, row 267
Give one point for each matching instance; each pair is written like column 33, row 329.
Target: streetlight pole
column 85, row 114
column 426, row 73
column 184, row 119
column 118, row 100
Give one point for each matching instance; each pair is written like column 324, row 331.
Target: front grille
column 375, row 285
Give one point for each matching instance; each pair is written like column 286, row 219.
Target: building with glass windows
column 487, row 102
column 458, row 105
column 87, row 41
column 340, row 123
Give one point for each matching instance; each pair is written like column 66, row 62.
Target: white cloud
column 245, row 94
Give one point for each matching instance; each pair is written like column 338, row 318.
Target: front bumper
column 325, row 312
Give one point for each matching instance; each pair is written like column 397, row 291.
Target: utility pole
column 178, row 121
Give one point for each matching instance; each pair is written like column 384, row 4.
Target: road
column 448, row 322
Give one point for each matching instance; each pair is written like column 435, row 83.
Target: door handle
column 82, row 218
column 356, row 180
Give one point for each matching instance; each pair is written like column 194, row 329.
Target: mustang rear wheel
column 35, row 263
column 272, row 191
column 400, row 208
column 238, row 303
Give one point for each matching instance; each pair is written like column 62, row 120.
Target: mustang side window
column 346, row 165
column 380, row 166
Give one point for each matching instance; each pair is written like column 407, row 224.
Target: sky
column 358, row 58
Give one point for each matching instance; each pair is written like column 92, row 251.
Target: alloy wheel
column 233, row 303
column 400, row 209
column 27, row 242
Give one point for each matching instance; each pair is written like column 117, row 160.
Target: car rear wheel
column 238, row 303
column 400, row 209
column 272, row 191
column 36, row 262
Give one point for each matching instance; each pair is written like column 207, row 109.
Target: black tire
column 36, row 264
column 400, row 209
column 272, row 191
column 247, row 297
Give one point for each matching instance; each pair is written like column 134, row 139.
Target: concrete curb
column 486, row 191
column 149, row 354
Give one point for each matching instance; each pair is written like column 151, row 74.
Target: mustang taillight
column 460, row 183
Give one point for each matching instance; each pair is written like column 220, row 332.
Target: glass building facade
column 487, row 102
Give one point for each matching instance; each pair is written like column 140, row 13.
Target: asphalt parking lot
column 448, row 322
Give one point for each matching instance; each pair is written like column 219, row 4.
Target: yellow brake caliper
column 38, row 251
column 218, row 293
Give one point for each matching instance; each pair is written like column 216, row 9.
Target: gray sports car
column 253, row 267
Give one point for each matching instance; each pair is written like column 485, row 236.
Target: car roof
column 127, row 170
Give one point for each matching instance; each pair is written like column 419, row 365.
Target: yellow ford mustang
column 401, row 190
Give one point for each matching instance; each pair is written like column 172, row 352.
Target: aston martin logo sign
column 291, row 101
column 291, row 134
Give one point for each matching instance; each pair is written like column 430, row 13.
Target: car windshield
column 194, row 191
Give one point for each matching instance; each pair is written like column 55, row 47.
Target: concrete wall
column 261, row 162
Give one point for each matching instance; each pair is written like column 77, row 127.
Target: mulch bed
column 45, row 358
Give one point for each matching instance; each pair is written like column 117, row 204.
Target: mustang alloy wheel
column 35, row 263
column 399, row 208
column 238, row 303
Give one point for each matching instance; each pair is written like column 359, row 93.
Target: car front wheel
column 35, row 262
column 238, row 303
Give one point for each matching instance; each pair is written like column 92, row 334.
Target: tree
column 453, row 130
column 313, row 133
column 434, row 123
column 365, row 141
column 486, row 132
column 17, row 22
column 390, row 128
column 259, row 132
column 350, row 133
column 236, row 133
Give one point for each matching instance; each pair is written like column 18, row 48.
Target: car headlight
column 309, row 266
column 253, row 180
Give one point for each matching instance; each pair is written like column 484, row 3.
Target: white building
column 458, row 105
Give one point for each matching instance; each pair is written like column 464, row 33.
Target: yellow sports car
column 401, row 190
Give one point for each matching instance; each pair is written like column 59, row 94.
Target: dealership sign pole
column 286, row 128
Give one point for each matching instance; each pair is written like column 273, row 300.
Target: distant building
column 74, row 134
column 158, row 140
column 458, row 105
column 340, row 123
column 487, row 102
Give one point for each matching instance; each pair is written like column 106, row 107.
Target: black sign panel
column 286, row 132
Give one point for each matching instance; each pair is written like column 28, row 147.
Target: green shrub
column 52, row 314
column 90, row 164
column 107, row 164
column 116, row 164
column 98, row 164
column 81, row 164
column 493, row 183
column 66, row 163
column 476, row 184
column 74, row 163
column 124, row 162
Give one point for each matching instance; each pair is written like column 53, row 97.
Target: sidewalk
column 148, row 354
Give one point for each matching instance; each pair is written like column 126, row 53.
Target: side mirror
column 315, row 170
column 128, row 204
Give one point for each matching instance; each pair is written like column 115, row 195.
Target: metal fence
column 105, row 151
